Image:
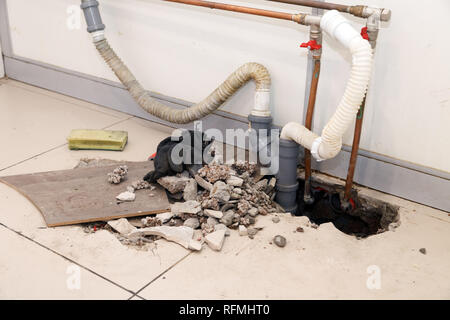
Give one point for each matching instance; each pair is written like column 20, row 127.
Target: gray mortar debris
column 215, row 172
column 141, row 185
column 118, row 175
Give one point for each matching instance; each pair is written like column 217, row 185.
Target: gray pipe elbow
column 92, row 15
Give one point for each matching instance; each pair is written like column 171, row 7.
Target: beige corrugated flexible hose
column 235, row 81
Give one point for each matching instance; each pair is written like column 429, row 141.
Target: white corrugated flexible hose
column 329, row 144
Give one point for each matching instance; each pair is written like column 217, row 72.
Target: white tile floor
column 39, row 262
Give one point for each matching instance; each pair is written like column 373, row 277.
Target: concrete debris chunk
column 252, row 232
column 211, row 221
column 164, row 217
column 227, row 218
column 271, row 185
column 243, row 207
column 243, row 231
column 190, row 191
column 244, row 166
column 216, row 239
column 238, row 191
column 151, row 222
column 211, row 203
column 141, row 185
column 191, row 206
column 221, row 191
column 276, row 219
column 213, row 213
column 206, row 228
column 253, row 212
column 181, row 235
column 203, row 183
column 126, row 196
column 261, row 185
column 280, row 241
column 221, row 226
column 174, row 184
column 235, row 181
column 122, row 226
column 118, row 175
column 215, row 172
column 192, row 223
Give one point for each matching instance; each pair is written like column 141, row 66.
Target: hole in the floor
column 369, row 216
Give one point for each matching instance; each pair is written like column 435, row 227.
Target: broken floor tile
column 122, row 226
column 181, row 235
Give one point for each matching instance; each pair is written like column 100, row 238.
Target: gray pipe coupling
column 92, row 14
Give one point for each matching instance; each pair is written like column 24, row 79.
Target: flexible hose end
column 339, row 28
column 262, row 103
column 315, row 149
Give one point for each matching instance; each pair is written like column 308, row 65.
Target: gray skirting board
column 400, row 178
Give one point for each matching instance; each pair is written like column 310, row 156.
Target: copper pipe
column 299, row 18
column 373, row 35
column 354, row 153
column 308, row 125
column 317, row 4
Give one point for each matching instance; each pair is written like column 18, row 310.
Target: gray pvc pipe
column 287, row 183
column 92, row 15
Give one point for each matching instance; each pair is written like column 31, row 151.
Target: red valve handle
column 364, row 33
column 311, row 45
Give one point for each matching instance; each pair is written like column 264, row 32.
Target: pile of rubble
column 217, row 198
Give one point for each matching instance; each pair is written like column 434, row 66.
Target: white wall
column 185, row 52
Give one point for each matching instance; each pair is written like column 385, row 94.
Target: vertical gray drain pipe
column 287, row 183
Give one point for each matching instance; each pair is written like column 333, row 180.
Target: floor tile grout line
column 60, row 146
column 62, row 100
column 160, row 275
column 118, row 122
column 68, row 259
column 34, row 156
column 135, row 295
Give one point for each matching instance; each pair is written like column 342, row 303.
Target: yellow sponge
column 97, row 140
